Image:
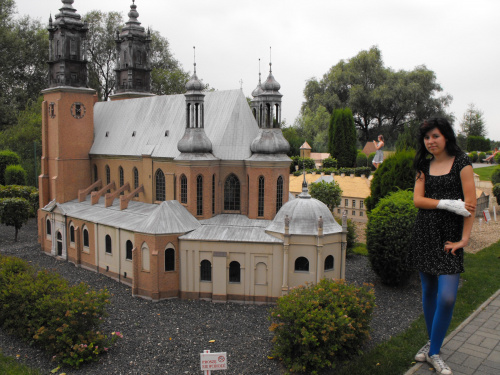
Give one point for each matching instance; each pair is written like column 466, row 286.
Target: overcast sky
column 454, row 38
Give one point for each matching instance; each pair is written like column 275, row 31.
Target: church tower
column 133, row 68
column 67, row 110
column 268, row 167
column 197, row 169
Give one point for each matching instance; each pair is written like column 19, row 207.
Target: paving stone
column 476, row 348
column 472, row 352
column 489, row 343
column 488, row 370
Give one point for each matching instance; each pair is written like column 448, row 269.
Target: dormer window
column 107, row 134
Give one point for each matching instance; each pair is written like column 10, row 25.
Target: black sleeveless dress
column 434, row 227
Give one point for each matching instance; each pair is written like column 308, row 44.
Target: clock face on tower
column 78, row 110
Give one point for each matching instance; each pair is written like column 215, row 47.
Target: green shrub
column 7, row 157
column 477, row 143
column 29, row 193
column 301, row 162
column 481, row 157
column 370, row 160
column 496, row 192
column 361, row 159
column 497, row 158
column 41, row 308
column 495, row 176
column 362, row 170
column 318, row 326
column 473, row 156
column 388, row 236
column 351, row 234
column 14, row 212
column 396, row 172
column 330, row 163
column 15, row 175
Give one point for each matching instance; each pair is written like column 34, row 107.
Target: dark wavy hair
column 446, row 130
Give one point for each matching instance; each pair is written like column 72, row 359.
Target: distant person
column 379, row 155
column 445, row 196
column 490, row 158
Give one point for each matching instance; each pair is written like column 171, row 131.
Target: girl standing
column 446, row 197
column 379, row 154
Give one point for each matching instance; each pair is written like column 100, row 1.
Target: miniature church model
column 181, row 196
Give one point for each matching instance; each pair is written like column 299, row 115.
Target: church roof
column 154, row 125
column 232, row 228
column 170, row 217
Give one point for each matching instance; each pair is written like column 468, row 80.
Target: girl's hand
column 470, row 207
column 452, row 247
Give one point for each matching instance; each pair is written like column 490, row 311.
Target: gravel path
column 167, row 337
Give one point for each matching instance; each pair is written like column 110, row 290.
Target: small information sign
column 213, row 361
column 487, row 216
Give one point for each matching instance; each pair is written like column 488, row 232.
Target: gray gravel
column 167, row 337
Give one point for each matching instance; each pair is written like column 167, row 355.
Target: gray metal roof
column 232, row 228
column 159, row 124
column 167, row 218
column 304, row 213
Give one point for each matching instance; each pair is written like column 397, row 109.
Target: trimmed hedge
column 41, row 308
column 496, row 192
column 361, row 159
column 495, row 176
column 370, row 161
column 15, row 175
column 29, row 193
column 7, row 157
column 319, row 326
column 388, row 236
column 473, row 156
column 329, row 163
column 351, row 234
column 481, row 157
column 14, row 212
column 301, row 162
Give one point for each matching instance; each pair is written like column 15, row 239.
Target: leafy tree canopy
column 472, row 123
column 378, row 96
column 313, row 127
column 329, row 193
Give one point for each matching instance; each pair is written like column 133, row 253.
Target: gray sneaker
column 437, row 362
column 420, row 356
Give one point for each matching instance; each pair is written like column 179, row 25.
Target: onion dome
column 271, row 84
column 303, row 216
column 270, row 141
column 258, row 90
column 194, row 83
column 195, row 141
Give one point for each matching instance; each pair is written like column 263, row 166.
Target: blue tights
column 439, row 294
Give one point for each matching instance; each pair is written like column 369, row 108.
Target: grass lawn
column 395, row 356
column 12, row 367
column 486, row 172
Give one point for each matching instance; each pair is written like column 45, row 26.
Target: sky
column 453, row 38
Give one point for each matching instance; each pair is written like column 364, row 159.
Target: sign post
column 212, row 361
column 487, row 216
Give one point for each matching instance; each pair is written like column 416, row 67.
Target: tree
column 342, row 139
column 7, row 158
column 14, row 212
column 294, row 139
column 24, row 47
column 329, row 193
column 313, row 127
column 407, row 140
column 377, row 96
column 15, row 175
column 101, row 50
column 25, row 138
column 472, row 123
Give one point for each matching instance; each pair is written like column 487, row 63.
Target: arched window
column 329, row 263
column 71, row 233
column 205, row 270
column 96, row 177
column 277, row 117
column 85, row 237
column 145, row 257
column 301, row 264
column 234, row 272
column 108, row 244
column 260, row 210
column 136, row 180
column 108, row 176
column 120, row 174
column 232, row 193
column 199, row 195
column 279, row 193
column 184, row 189
column 129, row 246
column 213, row 194
column 59, row 244
column 169, row 259
column 261, row 273
column 160, row 185
column 48, row 229
column 254, row 111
